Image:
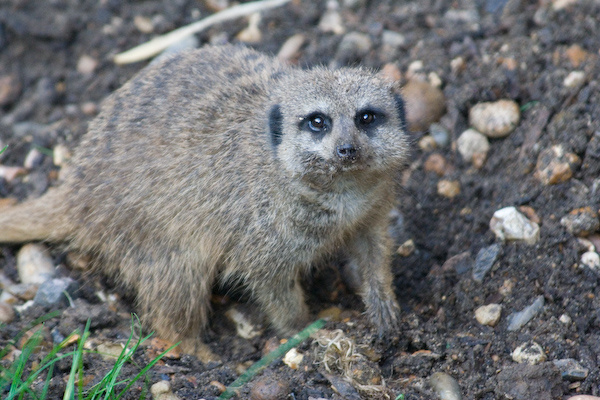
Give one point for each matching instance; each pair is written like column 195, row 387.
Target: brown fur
column 183, row 180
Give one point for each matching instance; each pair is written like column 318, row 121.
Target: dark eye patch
column 369, row 118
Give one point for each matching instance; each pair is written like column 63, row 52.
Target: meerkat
column 225, row 165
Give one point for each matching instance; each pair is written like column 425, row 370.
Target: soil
column 511, row 49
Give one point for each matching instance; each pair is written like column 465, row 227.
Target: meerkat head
column 325, row 124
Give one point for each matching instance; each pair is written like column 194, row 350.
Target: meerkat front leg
column 371, row 261
column 282, row 298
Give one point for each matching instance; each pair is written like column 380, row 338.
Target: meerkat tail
column 37, row 219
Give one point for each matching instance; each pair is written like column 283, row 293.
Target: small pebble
column 484, row 261
column 571, row 370
column 355, row 43
column 217, row 5
column 10, row 88
column 243, row 326
column 586, row 244
column 24, row 291
column 576, row 55
column 530, row 213
column 61, row 155
column 33, row 159
column 518, row 319
column 425, row 104
column 509, row 224
column 574, row 79
column 143, row 24
column 8, row 298
column 427, row 143
column 86, row 64
column 488, row 314
column 457, row 65
column 89, row 108
column 436, row 163
column 565, row 319
column 7, row 313
column 440, row 134
column 434, row 80
column 331, row 21
column 445, row 386
column 406, row 248
column 554, row 165
column 293, row 358
column 393, row 39
column 109, row 351
column 461, row 263
column 267, row 388
column 447, row 188
column 330, row 314
column 560, row 4
column 591, row 259
column 52, row 291
column 583, row 397
column 473, row 147
column 34, row 264
column 11, row 173
column 162, row 391
column 291, row 48
column 252, row 33
column 496, row 119
column 581, row 221
column 529, row 353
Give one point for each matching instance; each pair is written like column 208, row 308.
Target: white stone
column 33, row 159
column 565, row 319
column 393, row 39
column 244, row 327
column 509, row 224
column 293, row 358
column 495, row 119
column 591, row 259
column 34, row 264
column 472, row 143
column 575, row 78
column 61, row 155
column 488, row 314
column 530, row 353
column 86, row 64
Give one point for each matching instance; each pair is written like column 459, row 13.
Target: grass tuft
column 18, row 379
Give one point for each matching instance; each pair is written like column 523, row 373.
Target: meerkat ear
column 275, row 125
column 400, row 109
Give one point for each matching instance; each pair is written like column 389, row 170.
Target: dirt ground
column 56, row 68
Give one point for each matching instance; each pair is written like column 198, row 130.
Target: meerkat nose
column 347, row 152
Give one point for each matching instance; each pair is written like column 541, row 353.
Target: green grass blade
column 77, row 363
column 5, row 147
column 44, row 393
column 16, row 388
column 145, row 369
column 269, row 358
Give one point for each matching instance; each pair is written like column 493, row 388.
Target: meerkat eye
column 366, row 118
column 316, row 123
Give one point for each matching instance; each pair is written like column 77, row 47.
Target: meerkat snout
column 348, row 152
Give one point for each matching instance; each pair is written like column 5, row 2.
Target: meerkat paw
column 385, row 316
column 199, row 349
